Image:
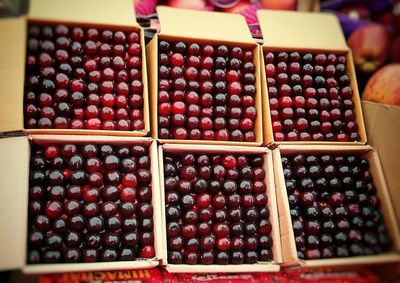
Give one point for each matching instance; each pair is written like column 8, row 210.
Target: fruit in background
column 370, row 45
column 224, row 3
column 184, row 4
column 395, row 50
column 359, row 12
column 279, row 5
column 145, row 7
column 384, row 86
column 243, row 4
column 247, row 10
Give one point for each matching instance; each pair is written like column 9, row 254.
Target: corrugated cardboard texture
column 14, row 172
column 117, row 12
column 210, row 25
column 289, row 248
column 85, row 267
column 269, row 180
column 383, row 125
column 12, row 73
column 301, row 30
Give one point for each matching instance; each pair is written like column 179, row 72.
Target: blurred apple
column 243, row 4
column 224, row 3
column 185, row 4
column 370, row 47
column 384, row 85
column 279, row 4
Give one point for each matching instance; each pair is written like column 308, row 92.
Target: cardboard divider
column 273, row 218
column 12, row 73
column 191, row 24
column 85, row 267
column 383, row 124
column 201, row 28
column 139, row 263
column 14, row 178
column 301, row 30
column 175, row 148
column 289, row 249
column 87, row 11
column 287, row 236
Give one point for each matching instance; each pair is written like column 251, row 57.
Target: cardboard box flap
column 383, row 124
column 203, row 25
column 14, row 172
column 12, row 73
column 118, row 12
column 301, row 30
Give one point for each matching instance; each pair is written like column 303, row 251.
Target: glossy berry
column 81, row 79
column 309, row 91
column 110, row 216
column 211, row 202
column 198, row 88
column 329, row 206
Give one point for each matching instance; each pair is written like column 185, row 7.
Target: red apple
column 279, row 5
column 395, row 50
column 370, row 46
column 384, row 85
column 185, row 4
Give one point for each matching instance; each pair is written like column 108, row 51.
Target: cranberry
column 84, row 215
column 333, row 217
column 201, row 220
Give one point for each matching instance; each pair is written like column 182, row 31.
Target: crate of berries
column 334, row 207
column 218, row 209
column 75, row 72
column 310, row 92
column 205, row 82
column 81, row 203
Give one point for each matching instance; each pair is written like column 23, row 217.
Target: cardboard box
column 203, row 28
column 119, row 276
column 305, row 32
column 14, row 181
column 273, row 218
column 383, row 124
column 85, row 13
column 287, row 235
